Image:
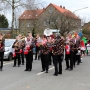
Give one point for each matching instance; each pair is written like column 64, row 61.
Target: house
column 86, row 26
column 53, row 17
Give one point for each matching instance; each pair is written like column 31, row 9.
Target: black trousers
column 36, row 54
column 78, row 59
column 55, row 61
column 74, row 58
column 46, row 61
column 50, row 58
column 42, row 62
column 60, row 59
column 67, row 58
column 29, row 61
column 1, row 59
column 71, row 60
column 17, row 58
column 22, row 57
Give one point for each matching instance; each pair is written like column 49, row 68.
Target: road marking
column 7, row 63
column 43, row 72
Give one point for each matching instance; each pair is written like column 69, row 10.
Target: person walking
column 16, row 53
column 2, row 49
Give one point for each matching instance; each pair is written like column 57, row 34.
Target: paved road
column 15, row 78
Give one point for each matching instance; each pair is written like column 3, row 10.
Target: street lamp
column 79, row 9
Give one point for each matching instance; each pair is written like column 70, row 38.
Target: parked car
column 8, row 54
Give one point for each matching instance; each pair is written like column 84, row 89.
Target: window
column 52, row 21
column 50, row 10
column 29, row 16
column 28, row 25
column 46, row 22
column 23, row 15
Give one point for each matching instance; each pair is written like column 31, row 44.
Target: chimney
column 60, row 6
column 63, row 7
column 37, row 8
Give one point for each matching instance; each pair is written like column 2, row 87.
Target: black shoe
column 70, row 69
column 14, row 66
column 46, row 71
column 29, row 69
column 66, row 68
column 42, row 70
column 25, row 70
column 18, row 65
column 55, row 74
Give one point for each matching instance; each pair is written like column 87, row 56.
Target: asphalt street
column 15, row 78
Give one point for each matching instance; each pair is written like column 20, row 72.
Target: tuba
column 47, row 32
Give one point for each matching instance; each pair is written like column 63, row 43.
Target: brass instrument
column 16, row 45
column 0, row 40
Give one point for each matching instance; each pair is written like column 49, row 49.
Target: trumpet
column 16, row 45
column 0, row 40
column 23, row 38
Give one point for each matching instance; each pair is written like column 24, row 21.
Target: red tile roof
column 31, row 14
column 64, row 11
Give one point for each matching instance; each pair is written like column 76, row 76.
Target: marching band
column 50, row 49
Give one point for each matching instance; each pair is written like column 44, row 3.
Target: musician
column 37, row 41
column 57, row 51
column 67, row 54
column 22, row 46
column 75, row 50
column 28, row 51
column 50, row 41
column 71, row 54
column 16, row 55
column 46, row 50
column 2, row 49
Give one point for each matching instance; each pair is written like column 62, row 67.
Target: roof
column 86, row 26
column 31, row 14
column 65, row 11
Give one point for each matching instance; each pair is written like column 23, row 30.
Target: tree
column 64, row 22
column 3, row 22
column 33, row 6
column 15, row 4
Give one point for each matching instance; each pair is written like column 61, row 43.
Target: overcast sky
column 71, row 5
